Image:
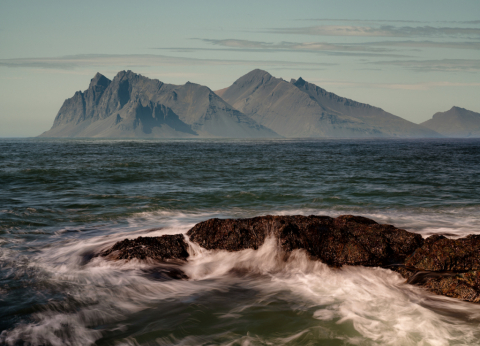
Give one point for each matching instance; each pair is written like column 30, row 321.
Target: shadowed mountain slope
column 134, row 106
column 456, row 122
column 302, row 109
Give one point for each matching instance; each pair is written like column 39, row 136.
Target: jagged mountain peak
column 302, row 109
column 299, row 82
column 100, row 80
column 132, row 105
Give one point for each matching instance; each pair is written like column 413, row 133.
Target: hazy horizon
column 410, row 59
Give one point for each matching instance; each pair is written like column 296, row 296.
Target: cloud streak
column 445, row 65
column 139, row 60
column 236, row 45
column 400, row 86
column 426, row 44
column 381, row 31
column 366, row 47
column 375, row 21
column 293, row 46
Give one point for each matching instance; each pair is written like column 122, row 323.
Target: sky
column 411, row 58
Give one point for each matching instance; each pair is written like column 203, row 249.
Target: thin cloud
column 144, row 60
column 381, row 31
column 373, row 21
column 235, row 45
column 399, row 86
column 362, row 20
column 445, row 65
column 426, row 44
column 295, row 46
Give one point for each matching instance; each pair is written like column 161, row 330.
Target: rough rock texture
column 346, row 240
column 449, row 267
column 164, row 248
column 457, row 122
column 442, row 254
column 301, row 109
column 464, row 286
column 134, row 106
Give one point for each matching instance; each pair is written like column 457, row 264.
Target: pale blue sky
column 411, row 58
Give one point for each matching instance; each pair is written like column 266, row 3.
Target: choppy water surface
column 62, row 199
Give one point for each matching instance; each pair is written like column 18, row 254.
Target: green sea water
column 63, row 200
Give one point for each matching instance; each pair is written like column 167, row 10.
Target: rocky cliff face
column 302, row 109
column 456, row 122
column 134, row 106
column 443, row 266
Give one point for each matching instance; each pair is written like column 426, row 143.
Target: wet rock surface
column 164, row 248
column 345, row 240
column 449, row 267
column 440, row 254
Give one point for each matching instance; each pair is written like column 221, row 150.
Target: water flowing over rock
column 346, row 240
column 449, row 267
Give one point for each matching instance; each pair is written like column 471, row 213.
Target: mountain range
column 301, row 109
column 134, row 106
column 257, row 105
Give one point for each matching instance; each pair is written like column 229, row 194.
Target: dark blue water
column 62, row 199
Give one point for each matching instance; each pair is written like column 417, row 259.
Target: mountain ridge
column 256, row 105
column 302, row 109
column 131, row 105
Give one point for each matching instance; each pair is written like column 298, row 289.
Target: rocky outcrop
column 345, row 240
column 443, row 254
column 164, row 248
column 449, row 267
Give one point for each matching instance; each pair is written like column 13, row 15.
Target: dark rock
column 449, row 267
column 464, row 286
column 346, row 240
column 164, row 248
column 442, row 254
column 407, row 273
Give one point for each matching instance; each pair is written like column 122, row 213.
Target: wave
column 242, row 298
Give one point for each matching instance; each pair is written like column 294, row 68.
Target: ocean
column 62, row 200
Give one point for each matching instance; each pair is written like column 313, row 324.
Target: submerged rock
column 164, row 248
column 345, row 240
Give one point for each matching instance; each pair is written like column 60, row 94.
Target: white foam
column 374, row 303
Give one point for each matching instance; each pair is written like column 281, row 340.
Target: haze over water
column 61, row 201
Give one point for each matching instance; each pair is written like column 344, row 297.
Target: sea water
column 63, row 200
